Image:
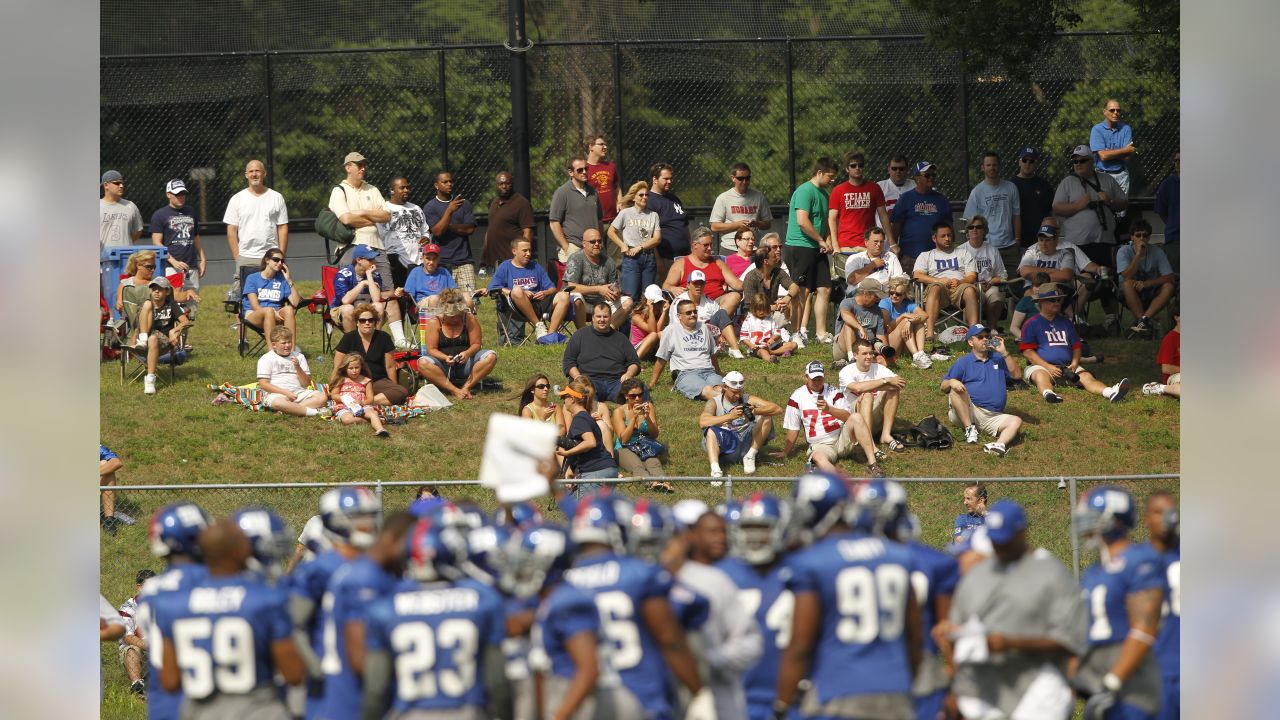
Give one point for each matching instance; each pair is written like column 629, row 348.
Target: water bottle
column 317, row 360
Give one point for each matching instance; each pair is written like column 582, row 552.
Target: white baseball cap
column 653, row 293
column 697, row 276
column 734, row 380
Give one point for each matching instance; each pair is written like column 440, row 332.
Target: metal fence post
column 268, row 91
column 517, row 45
column 444, row 116
column 617, row 110
column 377, row 492
column 963, row 99
column 728, row 489
column 791, row 121
column 1075, row 532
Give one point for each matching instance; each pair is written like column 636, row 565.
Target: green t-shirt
column 811, row 198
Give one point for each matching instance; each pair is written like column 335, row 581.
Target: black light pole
column 517, row 45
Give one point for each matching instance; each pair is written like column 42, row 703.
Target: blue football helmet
column 485, row 545
column 730, row 510
column 518, row 514
column 758, row 535
column 1105, row 513
column 175, row 528
column 600, row 518
column 535, row 557
column 350, row 515
column 433, row 552
column 818, row 501
column 877, row 506
column 649, row 528
column 269, row 536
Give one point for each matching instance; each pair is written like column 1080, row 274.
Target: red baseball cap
column 430, row 248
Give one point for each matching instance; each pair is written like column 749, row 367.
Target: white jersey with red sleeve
column 803, row 414
column 759, row 331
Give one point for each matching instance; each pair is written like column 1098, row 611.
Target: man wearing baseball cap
column 428, row 280
column 831, row 430
column 735, row 425
column 360, row 283
column 1063, row 262
column 121, row 222
column 404, row 233
column 1089, row 203
column 360, row 205
column 916, row 212
column 1052, row 347
column 1035, row 197
column 177, row 227
column 976, row 390
column 1016, row 619
column 709, row 312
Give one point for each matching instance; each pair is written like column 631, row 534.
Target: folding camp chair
column 236, row 308
column 133, row 360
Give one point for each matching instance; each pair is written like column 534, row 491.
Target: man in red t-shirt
column 1170, row 360
column 854, row 207
column 603, row 176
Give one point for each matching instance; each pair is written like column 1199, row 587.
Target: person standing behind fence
column 1035, row 200
column 603, row 176
column 636, row 234
column 404, row 233
column 894, row 185
column 997, row 200
column 510, row 217
column 452, row 221
column 916, row 214
column 740, row 208
column 360, row 205
column 856, row 206
column 1112, row 143
column 177, row 227
column 975, row 509
column 575, row 208
column 257, row 221
column 1023, row 608
column 671, row 217
column 804, row 253
column 120, row 219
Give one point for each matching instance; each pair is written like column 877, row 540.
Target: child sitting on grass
column 761, row 335
column 352, row 394
column 283, row 374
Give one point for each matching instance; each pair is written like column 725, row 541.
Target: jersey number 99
column 871, row 604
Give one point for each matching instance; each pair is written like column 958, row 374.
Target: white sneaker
column 1151, row 388
column 735, row 353
column 540, row 330
column 141, row 342
column 971, row 434
column 748, row 464
column 1116, row 392
column 715, row 473
column 935, row 355
column 799, row 339
column 921, row 360
column 826, row 338
column 404, row 344
column 995, row 448
column 149, row 385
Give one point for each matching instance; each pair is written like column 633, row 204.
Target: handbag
column 331, row 229
column 645, row 447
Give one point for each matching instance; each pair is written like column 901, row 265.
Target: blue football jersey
column 691, row 607
column 436, row 635
column 310, row 580
column 1169, row 640
column 516, row 649
column 353, row 587
column 964, row 521
column 862, row 583
column 768, row 599
column 936, row 574
column 1107, row 587
column 565, row 612
column 222, row 629
column 619, row 586
column 162, row 705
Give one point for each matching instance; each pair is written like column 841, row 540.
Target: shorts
column 1058, row 381
column 459, row 373
column 877, row 405
column 1174, row 379
column 734, row 443
column 142, row 654
column 834, row 450
column 303, row 395
column 810, row 268
column 957, row 293
column 992, row 295
column 689, row 383
column 395, row 393
column 380, row 264
column 989, row 421
column 464, row 276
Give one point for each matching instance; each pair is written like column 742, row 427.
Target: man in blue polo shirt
column 976, row 393
column 1112, row 144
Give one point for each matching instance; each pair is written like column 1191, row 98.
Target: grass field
column 178, row 437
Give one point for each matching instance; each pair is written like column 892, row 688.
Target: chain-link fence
column 1048, row 502
column 701, row 105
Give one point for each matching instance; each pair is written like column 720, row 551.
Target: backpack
column 930, row 434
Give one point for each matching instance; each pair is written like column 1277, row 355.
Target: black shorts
column 671, row 246
column 1099, row 253
column 809, row 267
column 399, row 270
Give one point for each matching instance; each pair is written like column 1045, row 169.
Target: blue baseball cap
column 974, row 329
column 363, row 251
column 814, row 370
column 1028, row 151
column 922, row 166
column 1047, row 231
column 1004, row 520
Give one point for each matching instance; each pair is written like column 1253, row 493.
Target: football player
column 567, row 629
column 855, row 632
column 349, row 517
column 173, row 536
column 642, row 638
column 344, row 615
column 226, row 637
column 757, row 565
column 269, row 541
column 1162, row 524
column 1123, row 592
column 438, row 633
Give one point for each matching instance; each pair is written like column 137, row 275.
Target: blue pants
column 929, row 707
column 638, row 273
column 1170, row 698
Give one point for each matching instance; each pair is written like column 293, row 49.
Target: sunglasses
column 116, row 182
column 643, row 194
column 930, row 175
column 855, row 165
column 894, row 168
column 1113, row 110
column 689, row 312
column 152, row 266
column 635, row 396
column 367, row 320
column 977, row 227
column 579, row 170
column 277, row 258
column 744, row 178
column 1028, row 160
column 896, row 293
column 1081, row 161
column 541, row 386
column 592, row 242
column 1140, row 235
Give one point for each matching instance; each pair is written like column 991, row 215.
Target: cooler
column 114, row 260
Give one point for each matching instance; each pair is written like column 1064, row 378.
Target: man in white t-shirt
column 991, row 270
column 709, row 311
column 689, row 346
column 284, row 375
column 877, row 262
column 120, row 220
column 404, row 233
column 898, row 182
column 833, row 433
column 741, row 207
column 873, row 391
column 949, row 276
column 257, row 221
